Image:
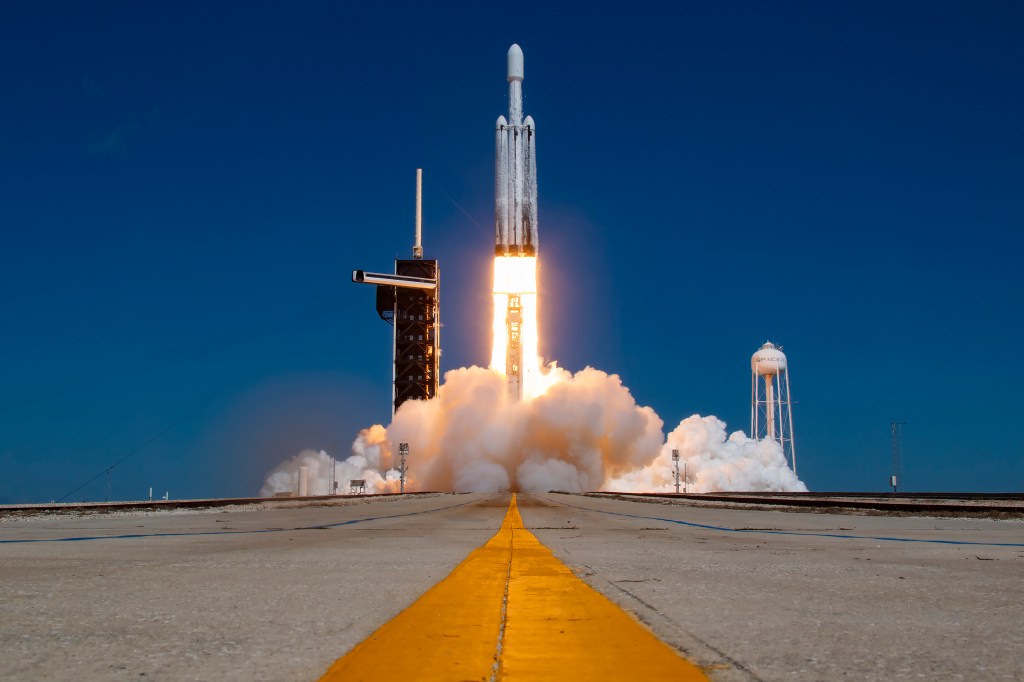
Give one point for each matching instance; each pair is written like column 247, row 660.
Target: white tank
column 768, row 360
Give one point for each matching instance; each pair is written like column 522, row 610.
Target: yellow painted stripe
column 451, row 632
column 512, row 611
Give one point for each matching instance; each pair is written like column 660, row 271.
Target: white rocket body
column 515, row 171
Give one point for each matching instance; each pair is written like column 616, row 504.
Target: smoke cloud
column 359, row 466
column 586, row 432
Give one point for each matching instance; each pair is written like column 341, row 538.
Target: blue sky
column 186, row 188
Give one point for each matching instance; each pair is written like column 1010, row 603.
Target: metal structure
column 334, row 480
column 771, row 408
column 896, row 480
column 403, row 452
column 675, row 459
column 409, row 301
column 514, row 363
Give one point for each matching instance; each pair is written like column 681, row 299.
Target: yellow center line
column 512, row 611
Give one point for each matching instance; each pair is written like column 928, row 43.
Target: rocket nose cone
column 515, row 63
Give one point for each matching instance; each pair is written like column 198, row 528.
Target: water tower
column 771, row 410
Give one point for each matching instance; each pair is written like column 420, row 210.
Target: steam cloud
column 585, row 433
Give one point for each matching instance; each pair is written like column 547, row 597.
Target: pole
column 789, row 410
column 334, row 483
column 417, row 249
column 896, row 480
column 394, row 346
column 685, row 478
column 754, row 403
column 675, row 458
column 403, row 451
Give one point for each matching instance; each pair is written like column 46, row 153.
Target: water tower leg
column 792, row 436
column 753, row 405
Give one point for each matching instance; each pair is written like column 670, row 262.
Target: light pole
column 896, row 480
column 403, row 452
column 334, row 480
column 675, row 459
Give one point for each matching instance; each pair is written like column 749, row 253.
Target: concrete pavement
column 758, row 604
column 266, row 596
column 281, row 594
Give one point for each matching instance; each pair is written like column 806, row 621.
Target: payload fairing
column 515, row 171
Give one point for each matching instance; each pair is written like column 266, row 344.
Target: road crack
column 496, row 666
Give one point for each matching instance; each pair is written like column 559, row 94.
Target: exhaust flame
column 516, row 335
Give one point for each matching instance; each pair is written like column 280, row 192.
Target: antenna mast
column 897, row 456
column 417, row 248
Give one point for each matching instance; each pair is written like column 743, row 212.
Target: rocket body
column 515, row 171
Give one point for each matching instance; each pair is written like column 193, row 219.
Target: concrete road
column 812, row 605
column 279, row 595
column 249, row 595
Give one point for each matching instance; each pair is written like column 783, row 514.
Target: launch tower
column 408, row 300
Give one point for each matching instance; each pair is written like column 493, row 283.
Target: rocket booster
column 515, row 171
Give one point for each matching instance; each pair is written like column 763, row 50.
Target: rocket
column 515, row 171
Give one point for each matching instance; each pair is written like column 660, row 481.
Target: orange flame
column 517, row 276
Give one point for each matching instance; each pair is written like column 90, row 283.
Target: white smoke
column 585, row 433
column 713, row 462
column 285, row 476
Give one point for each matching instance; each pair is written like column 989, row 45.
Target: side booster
column 515, row 171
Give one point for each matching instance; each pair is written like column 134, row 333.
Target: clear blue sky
column 187, row 186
